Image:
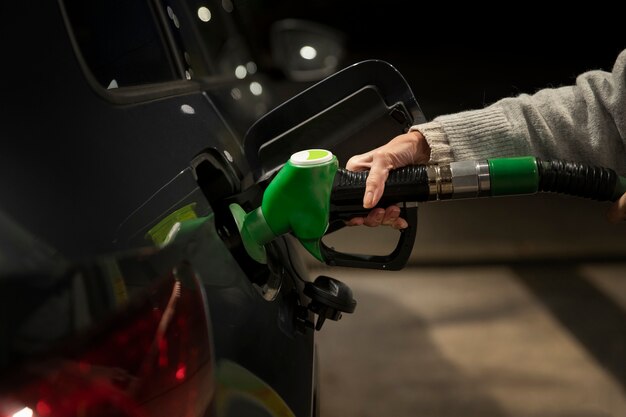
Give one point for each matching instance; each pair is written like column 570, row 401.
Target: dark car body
column 124, row 288
column 87, row 171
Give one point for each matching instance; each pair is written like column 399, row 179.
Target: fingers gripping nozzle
column 297, row 201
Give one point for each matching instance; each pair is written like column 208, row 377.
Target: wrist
column 435, row 138
column 421, row 149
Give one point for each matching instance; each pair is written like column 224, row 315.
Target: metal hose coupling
column 464, row 179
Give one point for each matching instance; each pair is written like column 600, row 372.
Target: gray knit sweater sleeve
column 585, row 122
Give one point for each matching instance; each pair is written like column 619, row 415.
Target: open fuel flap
column 353, row 111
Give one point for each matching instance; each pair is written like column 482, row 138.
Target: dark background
column 462, row 57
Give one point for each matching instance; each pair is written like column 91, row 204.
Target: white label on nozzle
column 311, row 157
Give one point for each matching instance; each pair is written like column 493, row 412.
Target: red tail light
column 153, row 359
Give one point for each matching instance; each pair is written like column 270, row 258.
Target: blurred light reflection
column 256, row 88
column 241, row 72
column 204, row 14
column 308, row 52
column 24, row 412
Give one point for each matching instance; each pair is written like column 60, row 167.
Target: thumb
column 359, row 162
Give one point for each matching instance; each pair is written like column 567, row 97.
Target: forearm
column 585, row 122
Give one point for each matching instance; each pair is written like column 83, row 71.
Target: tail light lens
column 152, row 358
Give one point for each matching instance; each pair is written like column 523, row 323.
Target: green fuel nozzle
column 310, row 190
column 297, row 201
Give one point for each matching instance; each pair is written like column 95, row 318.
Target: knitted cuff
column 479, row 134
column 440, row 151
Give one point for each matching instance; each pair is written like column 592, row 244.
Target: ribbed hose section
column 405, row 184
column 576, row 179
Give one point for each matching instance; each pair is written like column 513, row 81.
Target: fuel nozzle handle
column 407, row 184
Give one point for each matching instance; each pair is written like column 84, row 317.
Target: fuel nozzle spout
column 297, row 201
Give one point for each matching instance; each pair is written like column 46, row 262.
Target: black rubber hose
column 577, row 179
column 411, row 183
column 404, row 184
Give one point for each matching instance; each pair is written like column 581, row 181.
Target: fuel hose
column 486, row 178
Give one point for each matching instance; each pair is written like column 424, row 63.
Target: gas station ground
column 516, row 321
column 543, row 340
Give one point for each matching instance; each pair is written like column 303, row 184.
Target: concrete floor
column 543, row 340
column 497, row 316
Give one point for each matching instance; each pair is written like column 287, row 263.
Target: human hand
column 379, row 216
column 406, row 149
column 617, row 212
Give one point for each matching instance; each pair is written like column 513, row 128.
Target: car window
column 120, row 41
column 133, row 42
column 199, row 32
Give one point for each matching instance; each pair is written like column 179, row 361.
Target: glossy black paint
column 85, row 161
column 89, row 171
